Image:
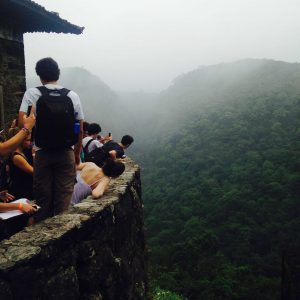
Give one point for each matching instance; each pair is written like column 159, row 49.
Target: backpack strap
column 64, row 92
column 85, row 148
column 44, row 91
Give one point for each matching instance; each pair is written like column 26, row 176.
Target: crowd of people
column 51, row 156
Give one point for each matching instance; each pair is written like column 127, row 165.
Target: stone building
column 16, row 18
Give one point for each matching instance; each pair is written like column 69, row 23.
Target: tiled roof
column 29, row 16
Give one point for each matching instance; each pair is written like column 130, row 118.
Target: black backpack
column 55, row 120
column 86, row 148
column 97, row 156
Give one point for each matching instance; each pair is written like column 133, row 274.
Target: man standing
column 59, row 126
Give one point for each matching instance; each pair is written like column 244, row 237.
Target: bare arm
column 26, row 208
column 15, row 141
column 80, row 166
column 24, row 121
column 101, row 187
column 106, row 139
column 22, row 115
column 10, row 145
column 20, row 162
column 113, row 154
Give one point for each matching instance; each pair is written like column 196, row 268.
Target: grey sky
column 144, row 44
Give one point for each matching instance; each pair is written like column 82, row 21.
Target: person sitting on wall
column 21, row 170
column 110, row 150
column 93, row 180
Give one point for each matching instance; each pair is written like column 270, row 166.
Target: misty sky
column 144, row 44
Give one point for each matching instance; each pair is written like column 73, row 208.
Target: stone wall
column 12, row 74
column 96, row 250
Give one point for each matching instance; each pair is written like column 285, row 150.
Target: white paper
column 12, row 213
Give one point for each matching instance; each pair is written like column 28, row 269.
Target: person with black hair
column 110, row 150
column 85, row 129
column 91, row 142
column 59, row 126
column 116, row 150
column 93, row 180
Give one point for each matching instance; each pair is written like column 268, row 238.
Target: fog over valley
column 143, row 45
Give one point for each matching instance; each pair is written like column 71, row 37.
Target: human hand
column 33, row 152
column 28, row 208
column 6, row 197
column 29, row 122
column 106, row 139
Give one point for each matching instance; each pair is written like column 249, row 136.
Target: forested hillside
column 222, row 191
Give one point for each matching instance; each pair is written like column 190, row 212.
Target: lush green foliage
column 222, row 194
column 160, row 294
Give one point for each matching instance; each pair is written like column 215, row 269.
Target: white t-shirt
column 33, row 94
column 93, row 145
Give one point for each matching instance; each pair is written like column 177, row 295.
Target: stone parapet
column 96, row 250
